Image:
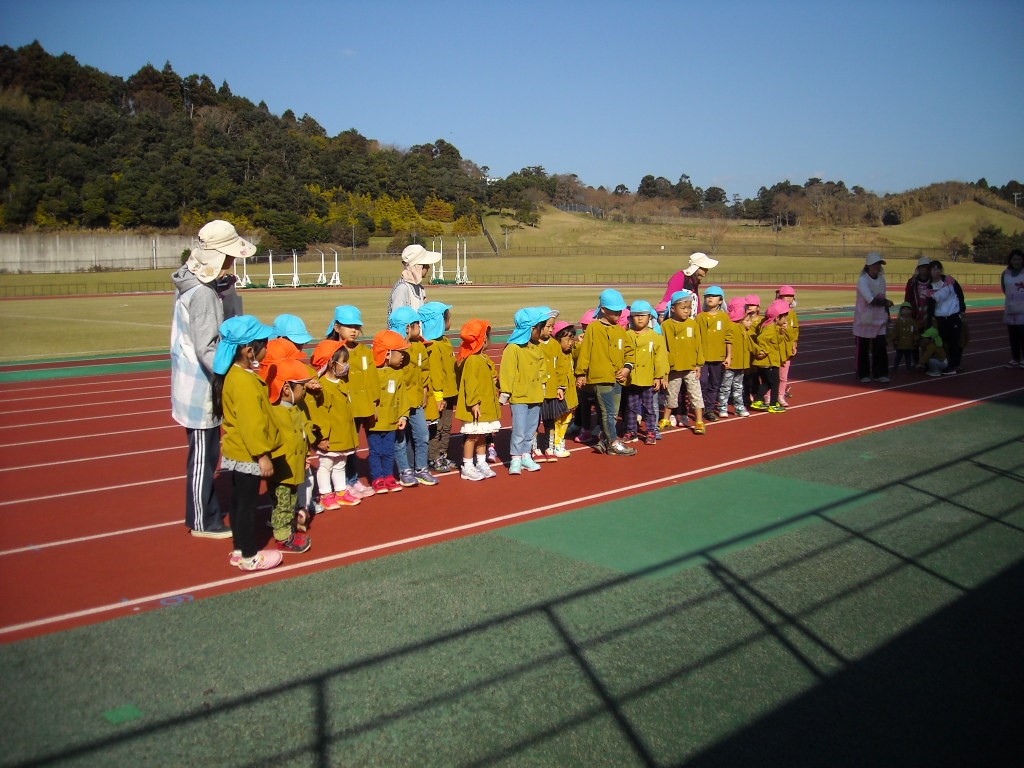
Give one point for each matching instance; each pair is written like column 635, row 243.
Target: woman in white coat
column 870, row 319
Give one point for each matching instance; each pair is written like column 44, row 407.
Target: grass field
column 35, row 329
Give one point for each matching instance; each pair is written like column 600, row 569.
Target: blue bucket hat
column 345, row 315
column 291, row 327
column 610, row 299
column 714, row 290
column 402, row 317
column 432, row 316
column 236, row 332
column 641, row 307
column 683, row 295
column 526, row 318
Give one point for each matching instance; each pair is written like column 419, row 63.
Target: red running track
column 92, row 480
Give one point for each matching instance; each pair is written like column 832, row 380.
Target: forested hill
column 83, row 149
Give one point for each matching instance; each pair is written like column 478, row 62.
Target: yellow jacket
column 742, row 351
column 651, row 357
column 393, row 399
column 442, row 369
column 476, row 387
column 682, row 340
column 296, row 436
column 604, row 351
column 713, row 329
column 362, row 381
column 249, row 429
column 522, row 373
column 339, row 428
column 771, row 340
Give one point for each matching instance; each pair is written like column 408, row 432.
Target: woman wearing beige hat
column 689, row 279
column 409, row 290
column 204, row 297
column 870, row 320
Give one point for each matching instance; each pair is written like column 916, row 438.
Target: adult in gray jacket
column 409, row 290
column 205, row 297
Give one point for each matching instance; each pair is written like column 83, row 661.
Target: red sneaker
column 392, row 485
column 380, row 485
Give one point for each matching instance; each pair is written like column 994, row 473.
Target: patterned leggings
column 731, row 390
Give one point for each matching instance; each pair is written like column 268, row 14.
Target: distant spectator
column 409, row 290
column 205, row 297
column 689, row 279
column 916, row 293
column 870, row 319
column 946, row 306
column 1013, row 290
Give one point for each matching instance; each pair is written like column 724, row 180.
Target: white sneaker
column 486, row 471
column 471, row 472
column 723, row 413
column 672, row 420
column 883, row 379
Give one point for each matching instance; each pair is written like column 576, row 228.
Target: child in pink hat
column 788, row 295
column 770, row 354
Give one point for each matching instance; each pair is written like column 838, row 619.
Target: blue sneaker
column 423, row 477
column 529, row 464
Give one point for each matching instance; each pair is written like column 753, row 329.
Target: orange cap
column 279, row 349
column 385, row 342
column 474, row 337
column 323, row 353
column 285, row 369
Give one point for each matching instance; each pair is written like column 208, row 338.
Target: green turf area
column 881, row 630
column 660, row 532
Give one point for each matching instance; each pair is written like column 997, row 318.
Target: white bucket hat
column 873, row 258
column 217, row 241
column 699, row 260
column 414, row 255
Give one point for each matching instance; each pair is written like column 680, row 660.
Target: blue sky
column 887, row 95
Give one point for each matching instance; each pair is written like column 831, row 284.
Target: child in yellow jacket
column 649, row 376
column 905, row 338
column 770, row 354
column 564, row 335
column 390, row 355
column 788, row 295
column 521, row 380
column 412, row 443
column 436, row 319
column 713, row 324
column 363, row 386
column 739, row 350
column 607, row 356
column 685, row 357
column 337, row 438
column 477, row 404
column 249, row 433
column 286, row 384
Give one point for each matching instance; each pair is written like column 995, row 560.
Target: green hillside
column 961, row 221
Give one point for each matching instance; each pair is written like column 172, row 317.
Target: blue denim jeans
column 382, row 454
column 608, row 396
column 418, row 433
column 525, row 418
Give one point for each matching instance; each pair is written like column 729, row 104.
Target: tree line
column 81, row 149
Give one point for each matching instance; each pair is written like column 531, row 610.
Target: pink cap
column 776, row 308
column 588, row 317
column 786, row 290
column 737, row 308
column 624, row 318
column 560, row 326
column 752, row 298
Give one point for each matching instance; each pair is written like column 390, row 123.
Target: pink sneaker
column 347, row 499
column 264, row 560
column 361, row 491
column 330, row 501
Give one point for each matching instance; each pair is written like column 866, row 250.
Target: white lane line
column 33, row 425
column 104, row 457
column 204, row 587
column 69, row 494
column 103, row 435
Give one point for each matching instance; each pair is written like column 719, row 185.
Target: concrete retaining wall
column 39, row 252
